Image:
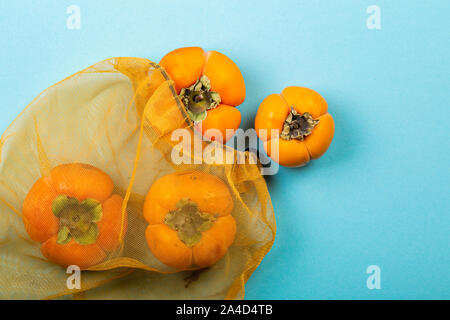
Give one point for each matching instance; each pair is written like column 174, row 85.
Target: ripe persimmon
column 304, row 128
column 210, row 85
column 190, row 221
column 74, row 214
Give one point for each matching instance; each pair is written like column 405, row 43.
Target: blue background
column 380, row 195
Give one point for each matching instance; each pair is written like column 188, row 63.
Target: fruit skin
column 272, row 113
column 212, row 196
column 186, row 65
column 80, row 181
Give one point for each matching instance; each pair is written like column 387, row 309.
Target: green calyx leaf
column 188, row 238
column 189, row 221
column 64, row 236
column 60, row 203
column 88, row 237
column 215, row 97
column 197, row 116
column 95, row 208
column 207, row 224
column 77, row 219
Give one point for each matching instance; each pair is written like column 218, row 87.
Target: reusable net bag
column 118, row 116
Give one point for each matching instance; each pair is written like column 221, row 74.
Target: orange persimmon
column 74, row 214
column 210, row 85
column 303, row 127
column 190, row 221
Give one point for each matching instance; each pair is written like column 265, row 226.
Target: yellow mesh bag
column 118, row 116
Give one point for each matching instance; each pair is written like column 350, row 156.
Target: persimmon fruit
column 190, row 221
column 296, row 124
column 74, row 214
column 210, row 85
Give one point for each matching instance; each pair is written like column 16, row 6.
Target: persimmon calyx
column 298, row 126
column 189, row 221
column 199, row 98
column 77, row 220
